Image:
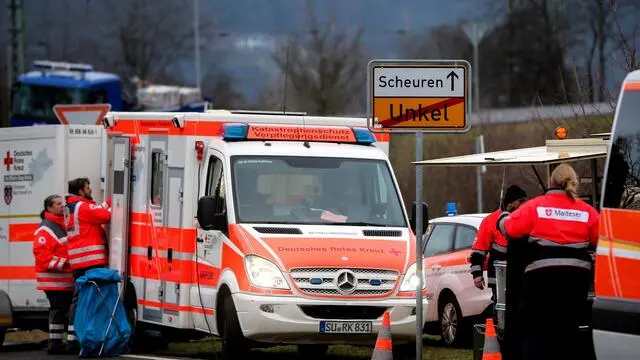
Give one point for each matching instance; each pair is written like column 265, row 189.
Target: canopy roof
column 554, row 151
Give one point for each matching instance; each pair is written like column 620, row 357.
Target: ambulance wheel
column 234, row 345
column 3, row 332
column 452, row 326
column 140, row 342
column 132, row 317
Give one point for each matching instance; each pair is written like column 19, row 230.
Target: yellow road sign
column 420, row 96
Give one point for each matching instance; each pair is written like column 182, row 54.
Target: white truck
column 258, row 228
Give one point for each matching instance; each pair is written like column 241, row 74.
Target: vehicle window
column 622, row 188
column 38, row 100
column 441, row 240
column 213, row 175
column 465, row 235
column 215, row 183
column 298, row 190
column 97, row 97
column 157, row 177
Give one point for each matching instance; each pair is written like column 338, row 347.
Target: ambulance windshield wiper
column 358, row 223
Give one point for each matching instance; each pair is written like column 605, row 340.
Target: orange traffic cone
column 491, row 349
column 383, row 349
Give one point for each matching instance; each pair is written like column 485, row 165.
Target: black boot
column 56, row 347
column 73, row 348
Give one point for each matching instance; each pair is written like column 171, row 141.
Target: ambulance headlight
column 264, row 273
column 410, row 282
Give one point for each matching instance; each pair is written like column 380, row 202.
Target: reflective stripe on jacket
column 560, row 230
column 489, row 241
column 87, row 239
column 53, row 271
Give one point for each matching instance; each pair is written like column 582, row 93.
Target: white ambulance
column 259, row 228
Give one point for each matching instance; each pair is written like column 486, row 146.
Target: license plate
column 346, row 327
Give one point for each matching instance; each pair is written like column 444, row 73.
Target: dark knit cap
column 513, row 193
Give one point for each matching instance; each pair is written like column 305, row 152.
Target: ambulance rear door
column 118, row 188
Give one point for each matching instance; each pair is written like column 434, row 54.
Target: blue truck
column 50, row 83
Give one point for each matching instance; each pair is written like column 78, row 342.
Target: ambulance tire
column 450, row 315
column 3, row 332
column 140, row 342
column 135, row 341
column 234, row 344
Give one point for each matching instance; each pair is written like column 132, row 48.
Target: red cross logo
column 8, row 160
column 394, row 252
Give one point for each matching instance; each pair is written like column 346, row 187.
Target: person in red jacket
column 490, row 241
column 560, row 230
column 53, row 272
column 86, row 236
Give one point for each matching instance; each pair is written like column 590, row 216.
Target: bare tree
column 441, row 42
column 596, row 21
column 326, row 70
column 220, row 86
column 151, row 36
column 627, row 35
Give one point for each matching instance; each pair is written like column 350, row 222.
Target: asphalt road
column 37, row 351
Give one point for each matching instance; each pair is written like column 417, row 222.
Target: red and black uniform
column 560, row 231
column 86, row 238
column 53, row 275
column 491, row 242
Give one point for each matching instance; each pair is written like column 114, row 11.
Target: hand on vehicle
column 479, row 282
column 107, row 203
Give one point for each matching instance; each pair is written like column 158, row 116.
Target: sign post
column 419, row 96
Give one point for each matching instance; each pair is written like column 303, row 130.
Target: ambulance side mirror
column 425, row 216
column 206, row 212
column 209, row 215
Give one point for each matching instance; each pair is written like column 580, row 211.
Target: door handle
column 169, row 255
column 149, row 252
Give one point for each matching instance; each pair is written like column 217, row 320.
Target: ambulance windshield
column 303, row 190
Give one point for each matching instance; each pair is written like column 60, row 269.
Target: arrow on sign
column 453, row 76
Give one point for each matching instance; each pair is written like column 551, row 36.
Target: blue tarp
column 95, row 322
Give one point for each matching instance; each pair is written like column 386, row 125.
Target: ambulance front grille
column 323, row 281
column 389, row 233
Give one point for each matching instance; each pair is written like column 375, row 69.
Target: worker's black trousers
column 552, row 309
column 59, row 303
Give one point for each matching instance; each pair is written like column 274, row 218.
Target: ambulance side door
column 209, row 241
column 155, row 199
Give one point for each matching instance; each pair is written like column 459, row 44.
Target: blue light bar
column 235, row 131
column 59, row 65
column 364, row 136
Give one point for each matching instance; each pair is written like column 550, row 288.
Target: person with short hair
column 491, row 242
column 86, row 237
column 53, row 271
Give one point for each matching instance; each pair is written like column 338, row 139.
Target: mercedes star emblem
column 346, row 281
